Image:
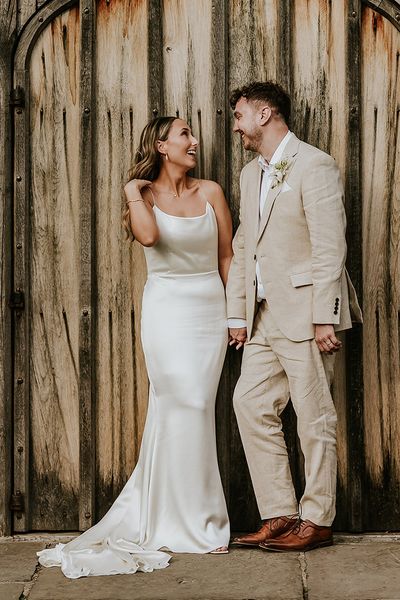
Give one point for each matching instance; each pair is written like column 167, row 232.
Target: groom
column 288, row 294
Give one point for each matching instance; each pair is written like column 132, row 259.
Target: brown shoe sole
column 253, row 545
column 306, row 549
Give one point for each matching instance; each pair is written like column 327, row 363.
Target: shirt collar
column 277, row 155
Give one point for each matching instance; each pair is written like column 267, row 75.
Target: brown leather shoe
column 271, row 529
column 303, row 536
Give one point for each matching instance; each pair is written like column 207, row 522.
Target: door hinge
column 17, row 97
column 17, row 502
column 17, row 300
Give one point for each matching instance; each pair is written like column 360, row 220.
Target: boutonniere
column 279, row 172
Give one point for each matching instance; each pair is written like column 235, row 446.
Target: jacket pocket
column 299, row 279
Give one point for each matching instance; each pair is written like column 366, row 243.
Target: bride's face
column 181, row 146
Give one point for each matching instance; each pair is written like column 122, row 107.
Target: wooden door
column 87, row 77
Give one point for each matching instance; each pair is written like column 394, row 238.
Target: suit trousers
column 275, row 369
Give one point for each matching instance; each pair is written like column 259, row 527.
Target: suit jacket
column 300, row 246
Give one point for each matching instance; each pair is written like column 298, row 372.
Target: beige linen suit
column 299, row 244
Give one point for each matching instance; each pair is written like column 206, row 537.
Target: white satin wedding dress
column 174, row 498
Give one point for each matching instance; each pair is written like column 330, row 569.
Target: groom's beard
column 252, row 141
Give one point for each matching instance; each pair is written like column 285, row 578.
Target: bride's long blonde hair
column 147, row 161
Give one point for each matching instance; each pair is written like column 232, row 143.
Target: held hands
column 326, row 340
column 237, row 336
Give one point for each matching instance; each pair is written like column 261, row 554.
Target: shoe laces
column 297, row 526
column 299, row 521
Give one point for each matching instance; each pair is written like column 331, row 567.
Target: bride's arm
column 141, row 216
column 224, row 222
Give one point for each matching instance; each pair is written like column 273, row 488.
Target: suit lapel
column 290, row 152
column 254, row 197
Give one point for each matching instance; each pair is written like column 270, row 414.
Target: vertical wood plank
column 188, row 63
column 7, row 34
column 381, row 250
column 220, row 173
column 26, row 8
column 87, row 292
column 121, row 113
column 21, row 382
column 253, row 56
column 155, row 47
column 54, row 275
column 354, row 219
column 285, row 46
column 319, row 76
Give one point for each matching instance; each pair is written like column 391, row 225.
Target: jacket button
column 255, row 257
column 254, row 282
column 335, row 312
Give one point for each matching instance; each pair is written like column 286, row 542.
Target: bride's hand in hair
column 136, row 185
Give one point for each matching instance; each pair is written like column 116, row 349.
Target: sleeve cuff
column 235, row 323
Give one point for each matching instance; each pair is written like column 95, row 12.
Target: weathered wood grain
column 381, row 245
column 21, row 371
column 285, row 49
column 121, row 112
column 254, row 55
column 188, row 65
column 8, row 27
column 7, row 34
column 319, row 75
column 155, row 63
column 54, row 275
column 87, row 282
column 220, row 173
column 355, row 435
column 26, row 9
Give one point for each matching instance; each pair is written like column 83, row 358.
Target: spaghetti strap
column 203, row 196
column 152, row 195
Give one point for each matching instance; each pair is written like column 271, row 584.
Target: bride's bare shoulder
column 212, row 190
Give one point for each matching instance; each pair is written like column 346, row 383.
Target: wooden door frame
column 390, row 9
column 7, row 35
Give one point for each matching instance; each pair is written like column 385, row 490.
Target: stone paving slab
column 241, row 574
column 354, row 572
column 18, row 560
column 11, row 591
column 365, row 569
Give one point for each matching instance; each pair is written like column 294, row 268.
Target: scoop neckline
column 178, row 217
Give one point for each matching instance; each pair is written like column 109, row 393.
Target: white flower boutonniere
column 279, row 172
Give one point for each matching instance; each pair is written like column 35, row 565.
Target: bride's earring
column 166, row 156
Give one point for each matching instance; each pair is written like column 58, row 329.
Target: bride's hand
column 136, row 185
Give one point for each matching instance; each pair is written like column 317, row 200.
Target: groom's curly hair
column 265, row 91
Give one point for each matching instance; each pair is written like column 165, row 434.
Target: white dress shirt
column 266, row 183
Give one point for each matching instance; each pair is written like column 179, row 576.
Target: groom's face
column 246, row 124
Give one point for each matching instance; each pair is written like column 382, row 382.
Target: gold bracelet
column 138, row 200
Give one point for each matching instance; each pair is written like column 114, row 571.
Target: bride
column 174, row 498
